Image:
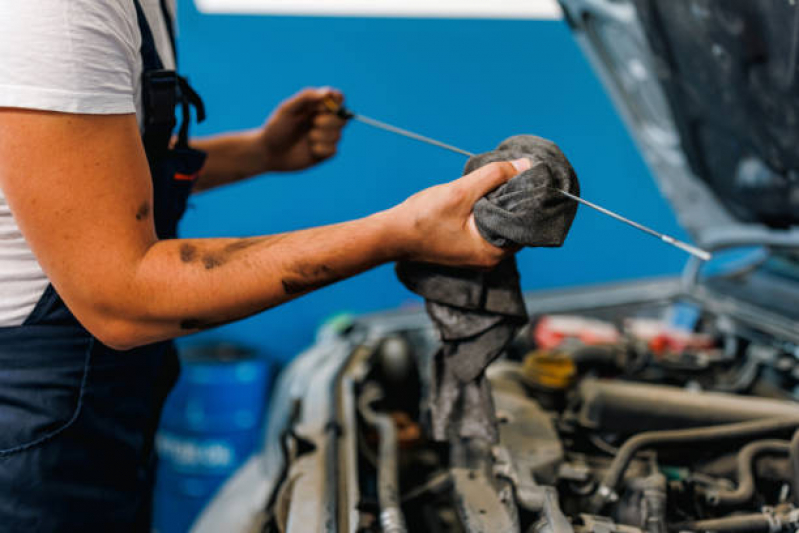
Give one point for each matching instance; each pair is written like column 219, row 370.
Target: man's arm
column 80, row 190
column 300, row 133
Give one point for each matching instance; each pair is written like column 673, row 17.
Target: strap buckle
column 159, row 98
column 162, row 91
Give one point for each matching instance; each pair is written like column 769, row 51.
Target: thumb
column 308, row 99
column 487, row 178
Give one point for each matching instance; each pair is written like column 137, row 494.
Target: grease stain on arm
column 188, row 252
column 211, row 259
column 143, row 212
column 309, row 278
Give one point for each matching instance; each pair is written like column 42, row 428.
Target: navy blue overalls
column 77, row 419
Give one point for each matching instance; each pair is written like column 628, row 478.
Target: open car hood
column 710, row 92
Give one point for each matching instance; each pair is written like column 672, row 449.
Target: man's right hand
column 437, row 224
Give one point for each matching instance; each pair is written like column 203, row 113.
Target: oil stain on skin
column 189, row 253
column 309, row 278
column 213, row 260
column 303, row 279
column 243, row 244
column 143, row 211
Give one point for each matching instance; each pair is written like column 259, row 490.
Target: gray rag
column 477, row 313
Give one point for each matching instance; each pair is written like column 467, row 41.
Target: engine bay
column 642, row 417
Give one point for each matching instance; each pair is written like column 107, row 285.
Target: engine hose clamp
column 392, row 521
column 607, row 494
column 792, row 518
column 775, row 523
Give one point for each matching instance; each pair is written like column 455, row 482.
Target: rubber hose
column 388, row 494
column 589, row 357
column 650, row 439
column 746, row 476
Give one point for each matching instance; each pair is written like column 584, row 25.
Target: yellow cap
column 550, row 369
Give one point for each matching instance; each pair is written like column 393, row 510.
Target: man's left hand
column 301, row 132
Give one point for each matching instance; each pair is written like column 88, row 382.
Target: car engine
column 618, row 419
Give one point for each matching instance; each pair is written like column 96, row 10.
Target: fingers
column 334, row 94
column 303, row 101
column 485, row 179
column 309, row 100
column 325, row 135
column 328, row 121
column 323, row 150
column 478, row 184
column 489, row 255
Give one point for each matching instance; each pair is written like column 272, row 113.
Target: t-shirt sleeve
column 74, row 56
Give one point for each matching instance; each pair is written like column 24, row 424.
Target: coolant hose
column 388, row 494
column 746, row 477
column 606, row 491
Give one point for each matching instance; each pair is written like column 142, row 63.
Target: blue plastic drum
column 211, row 424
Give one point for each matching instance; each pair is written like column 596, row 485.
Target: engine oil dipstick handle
column 346, row 114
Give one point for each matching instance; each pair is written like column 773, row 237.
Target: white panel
column 524, row 9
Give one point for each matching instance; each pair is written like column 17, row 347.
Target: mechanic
column 93, row 282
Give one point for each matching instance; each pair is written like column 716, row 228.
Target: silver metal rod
column 693, row 250
column 668, row 239
column 405, row 133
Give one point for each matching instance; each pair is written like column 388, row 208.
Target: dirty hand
column 438, row 226
column 301, row 132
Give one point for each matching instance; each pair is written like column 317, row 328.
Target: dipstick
column 704, row 255
column 345, row 113
column 411, row 135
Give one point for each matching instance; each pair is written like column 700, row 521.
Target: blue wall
column 471, row 83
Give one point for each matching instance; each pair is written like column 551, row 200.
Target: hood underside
column 710, row 90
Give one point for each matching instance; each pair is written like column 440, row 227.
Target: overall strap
column 150, row 57
column 162, row 90
column 170, row 28
column 159, row 93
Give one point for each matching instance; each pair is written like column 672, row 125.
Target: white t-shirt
column 72, row 56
